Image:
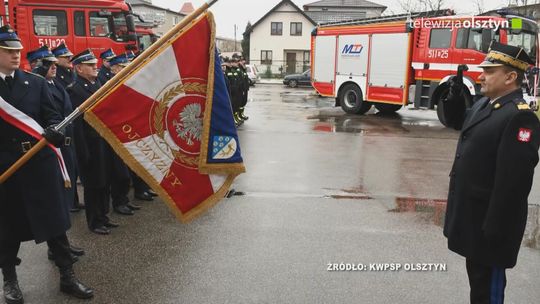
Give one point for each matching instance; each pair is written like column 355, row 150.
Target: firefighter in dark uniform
column 245, row 87
column 492, row 172
column 32, row 199
column 92, row 150
column 105, row 73
column 46, row 67
column 120, row 176
column 33, row 58
column 65, row 76
column 233, row 74
column 64, row 73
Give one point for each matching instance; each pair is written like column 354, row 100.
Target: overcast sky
column 230, row 12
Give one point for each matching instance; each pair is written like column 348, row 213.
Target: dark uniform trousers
column 93, row 159
column 487, row 283
column 59, row 246
column 120, row 176
column 32, row 201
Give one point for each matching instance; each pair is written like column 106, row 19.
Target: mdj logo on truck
column 352, row 50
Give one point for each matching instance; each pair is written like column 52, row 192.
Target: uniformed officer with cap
column 34, row 56
column 120, row 176
column 47, row 68
column 92, row 150
column 105, row 73
column 64, row 73
column 32, row 200
column 245, row 87
column 492, row 172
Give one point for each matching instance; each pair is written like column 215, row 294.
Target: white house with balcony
column 280, row 41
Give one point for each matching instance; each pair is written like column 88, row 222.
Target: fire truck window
column 80, row 24
column 120, row 27
column 50, row 23
column 440, row 38
column 99, row 26
column 475, row 40
column 462, row 37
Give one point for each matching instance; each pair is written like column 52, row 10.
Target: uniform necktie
column 9, row 82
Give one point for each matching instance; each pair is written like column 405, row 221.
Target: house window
column 440, row 38
column 50, row 23
column 296, row 28
column 307, row 57
column 266, row 57
column 277, row 29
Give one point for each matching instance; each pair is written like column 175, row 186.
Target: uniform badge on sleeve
column 524, row 135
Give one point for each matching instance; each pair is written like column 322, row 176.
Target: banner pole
column 105, row 89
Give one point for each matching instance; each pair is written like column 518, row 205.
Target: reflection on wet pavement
column 434, row 208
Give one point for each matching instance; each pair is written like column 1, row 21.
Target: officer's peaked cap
column 62, row 51
column 9, row 39
column 43, row 53
column 121, row 59
column 107, row 54
column 86, row 56
column 501, row 54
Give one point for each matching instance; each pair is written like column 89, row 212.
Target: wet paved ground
column 322, row 187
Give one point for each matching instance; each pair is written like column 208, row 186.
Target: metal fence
column 279, row 68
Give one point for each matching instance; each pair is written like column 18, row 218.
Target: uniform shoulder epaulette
column 522, row 106
column 27, row 72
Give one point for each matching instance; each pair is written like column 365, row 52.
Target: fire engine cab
column 94, row 24
column 390, row 62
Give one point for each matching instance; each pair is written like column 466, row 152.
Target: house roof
column 275, row 8
column 144, row 3
column 187, row 8
column 344, row 3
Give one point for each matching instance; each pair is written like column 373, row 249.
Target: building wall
column 163, row 18
column 261, row 39
column 228, row 45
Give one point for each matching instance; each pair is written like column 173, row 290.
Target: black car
column 295, row 80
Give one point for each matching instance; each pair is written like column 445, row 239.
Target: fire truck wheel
column 352, row 101
column 385, row 108
column 293, row 83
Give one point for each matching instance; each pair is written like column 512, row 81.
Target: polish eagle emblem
column 189, row 124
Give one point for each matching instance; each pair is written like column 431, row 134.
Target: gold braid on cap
column 508, row 59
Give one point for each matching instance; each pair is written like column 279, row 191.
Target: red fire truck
column 94, row 24
column 392, row 63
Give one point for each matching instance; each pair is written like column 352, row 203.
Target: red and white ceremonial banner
column 157, row 119
column 25, row 123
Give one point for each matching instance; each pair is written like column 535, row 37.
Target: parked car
column 253, row 74
column 295, row 80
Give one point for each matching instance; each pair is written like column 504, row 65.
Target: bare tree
column 479, row 5
column 432, row 5
column 421, row 5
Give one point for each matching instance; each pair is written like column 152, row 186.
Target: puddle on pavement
column 433, row 208
column 434, row 211
column 363, row 125
column 357, row 197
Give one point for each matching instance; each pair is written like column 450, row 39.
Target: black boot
column 72, row 286
column 241, row 114
column 12, row 292
column 74, row 256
